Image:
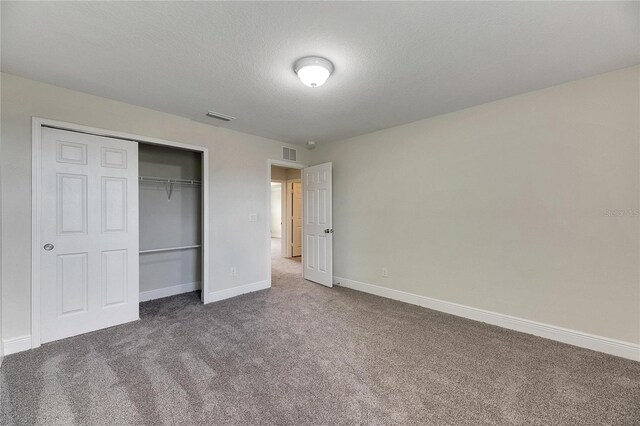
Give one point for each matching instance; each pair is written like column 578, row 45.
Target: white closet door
column 88, row 233
column 317, row 246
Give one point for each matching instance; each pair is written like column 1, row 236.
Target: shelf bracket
column 169, row 190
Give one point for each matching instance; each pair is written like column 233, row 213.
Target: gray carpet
column 300, row 353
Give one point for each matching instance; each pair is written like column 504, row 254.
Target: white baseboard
column 577, row 338
column 17, row 344
column 23, row 343
column 169, row 291
column 216, row 296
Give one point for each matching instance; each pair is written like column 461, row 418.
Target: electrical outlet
column 385, row 272
column 253, row 217
column 233, row 271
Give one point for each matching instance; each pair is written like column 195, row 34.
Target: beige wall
column 504, row 207
column 293, row 174
column 238, row 184
column 278, row 173
column 284, row 173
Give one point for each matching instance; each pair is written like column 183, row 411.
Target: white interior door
column 88, row 233
column 317, row 246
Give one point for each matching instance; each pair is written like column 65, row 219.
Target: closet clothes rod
column 169, row 249
column 168, row 180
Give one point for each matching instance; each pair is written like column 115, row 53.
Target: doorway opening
column 285, row 222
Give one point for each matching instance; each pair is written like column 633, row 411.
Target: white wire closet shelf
column 155, row 179
column 170, row 182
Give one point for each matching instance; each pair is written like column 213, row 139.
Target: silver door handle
column 48, row 247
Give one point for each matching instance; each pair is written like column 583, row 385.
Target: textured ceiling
column 395, row 62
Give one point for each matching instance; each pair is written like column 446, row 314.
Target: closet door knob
column 48, row 247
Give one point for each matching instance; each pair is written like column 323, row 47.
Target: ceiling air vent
column 289, row 154
column 219, row 116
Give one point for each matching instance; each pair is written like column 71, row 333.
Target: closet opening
column 170, row 221
column 285, row 220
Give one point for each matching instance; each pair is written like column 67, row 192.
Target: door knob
column 48, row 247
column 328, row 231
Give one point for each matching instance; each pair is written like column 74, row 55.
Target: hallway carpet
column 303, row 354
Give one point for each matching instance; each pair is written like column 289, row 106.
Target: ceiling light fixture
column 313, row 71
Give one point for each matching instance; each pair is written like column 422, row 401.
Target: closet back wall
column 165, row 223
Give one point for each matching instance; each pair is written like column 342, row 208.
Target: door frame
column 37, row 123
column 279, row 163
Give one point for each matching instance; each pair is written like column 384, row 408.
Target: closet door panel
column 115, row 277
column 114, row 204
column 88, row 233
column 71, row 207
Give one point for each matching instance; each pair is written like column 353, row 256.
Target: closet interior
column 170, row 197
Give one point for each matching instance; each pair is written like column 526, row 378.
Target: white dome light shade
column 313, row 75
column 313, row 71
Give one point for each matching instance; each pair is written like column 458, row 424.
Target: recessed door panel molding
column 318, row 225
column 322, row 176
column 114, row 204
column 310, row 177
column 71, row 206
column 114, row 277
column 72, row 282
column 112, row 157
column 322, row 254
column 88, row 230
column 310, row 258
column 310, row 206
column 72, row 153
column 321, row 196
